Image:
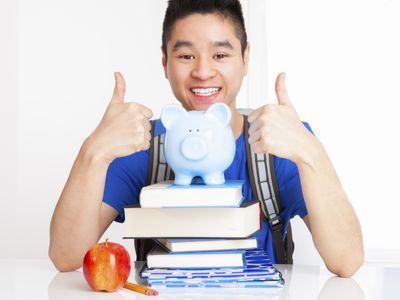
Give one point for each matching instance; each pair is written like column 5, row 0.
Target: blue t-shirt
column 127, row 175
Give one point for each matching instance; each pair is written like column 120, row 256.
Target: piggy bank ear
column 171, row 113
column 221, row 111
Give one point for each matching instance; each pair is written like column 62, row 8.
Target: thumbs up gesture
column 276, row 128
column 124, row 128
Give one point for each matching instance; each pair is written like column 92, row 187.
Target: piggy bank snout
column 194, row 147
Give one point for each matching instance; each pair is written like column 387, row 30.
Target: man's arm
column 336, row 232
column 336, row 220
column 80, row 216
column 331, row 219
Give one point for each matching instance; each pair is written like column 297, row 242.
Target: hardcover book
column 186, row 245
column 193, row 222
column 168, row 194
column 160, row 258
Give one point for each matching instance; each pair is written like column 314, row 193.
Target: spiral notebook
column 258, row 272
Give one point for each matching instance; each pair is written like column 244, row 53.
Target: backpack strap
column 261, row 168
column 159, row 169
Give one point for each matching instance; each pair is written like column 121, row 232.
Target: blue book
column 193, row 245
column 168, row 194
column 233, row 284
column 258, row 272
column 160, row 258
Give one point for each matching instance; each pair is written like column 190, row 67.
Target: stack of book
column 256, row 271
column 204, row 237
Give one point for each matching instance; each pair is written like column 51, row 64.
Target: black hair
column 179, row 9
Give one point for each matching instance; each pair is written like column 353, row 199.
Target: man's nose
column 204, row 69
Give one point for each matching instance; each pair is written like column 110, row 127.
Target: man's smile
column 205, row 93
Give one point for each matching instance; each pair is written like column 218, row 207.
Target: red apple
column 106, row 266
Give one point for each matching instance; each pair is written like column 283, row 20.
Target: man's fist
column 277, row 129
column 124, row 128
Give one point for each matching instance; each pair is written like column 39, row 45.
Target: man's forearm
column 334, row 225
column 75, row 223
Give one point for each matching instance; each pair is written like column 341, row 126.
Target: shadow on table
column 303, row 282
column 341, row 288
column 72, row 286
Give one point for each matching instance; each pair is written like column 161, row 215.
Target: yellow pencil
column 140, row 289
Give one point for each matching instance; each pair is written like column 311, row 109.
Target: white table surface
column 38, row 279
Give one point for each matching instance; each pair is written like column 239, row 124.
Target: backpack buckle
column 275, row 223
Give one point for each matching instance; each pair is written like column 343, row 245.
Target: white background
column 57, row 60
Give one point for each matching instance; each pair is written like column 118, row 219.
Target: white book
column 187, row 245
column 160, row 258
column 168, row 194
column 193, row 222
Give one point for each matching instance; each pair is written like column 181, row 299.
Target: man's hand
column 277, row 129
column 124, row 128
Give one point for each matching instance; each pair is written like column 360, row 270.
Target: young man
column 205, row 57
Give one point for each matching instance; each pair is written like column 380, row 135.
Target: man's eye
column 220, row 56
column 187, row 56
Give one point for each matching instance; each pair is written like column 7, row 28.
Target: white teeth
column 205, row 91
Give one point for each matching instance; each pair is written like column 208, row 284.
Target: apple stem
column 106, row 242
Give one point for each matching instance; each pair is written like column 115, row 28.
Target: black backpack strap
column 158, row 171
column 262, row 177
column 289, row 244
column 158, row 166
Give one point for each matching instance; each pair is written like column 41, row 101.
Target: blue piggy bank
column 198, row 143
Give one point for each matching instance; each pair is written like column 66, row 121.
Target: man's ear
column 246, row 56
column 164, row 62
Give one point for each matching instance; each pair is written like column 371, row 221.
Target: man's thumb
column 119, row 89
column 280, row 89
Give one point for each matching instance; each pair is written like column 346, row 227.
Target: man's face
column 205, row 64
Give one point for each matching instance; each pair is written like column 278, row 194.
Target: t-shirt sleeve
column 125, row 178
column 290, row 191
